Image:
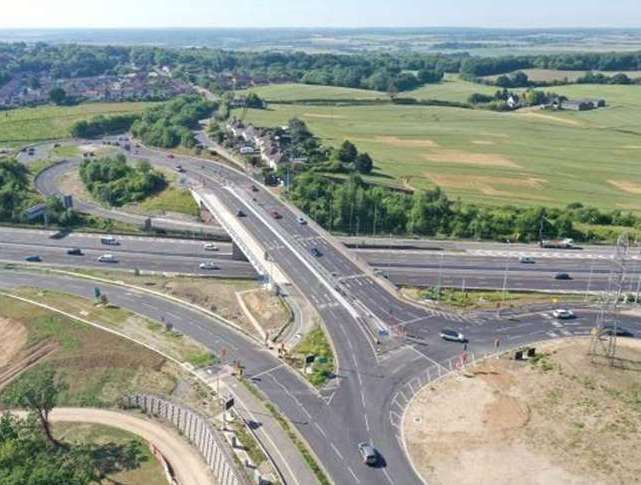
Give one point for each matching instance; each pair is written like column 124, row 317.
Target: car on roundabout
column 452, row 335
column 563, row 314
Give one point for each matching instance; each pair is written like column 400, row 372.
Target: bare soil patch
column 70, row 183
column 546, row 117
column 470, row 158
column 483, row 142
column 14, row 338
column 322, row 116
column 560, row 419
column 405, row 142
column 626, row 186
column 494, row 186
column 268, row 310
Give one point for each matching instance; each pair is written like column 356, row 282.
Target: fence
column 198, row 431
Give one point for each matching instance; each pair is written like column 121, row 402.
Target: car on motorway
column 301, row 221
column 315, row 252
column 180, row 169
column 74, row 252
column 276, row 215
column 452, row 335
column 616, row 331
column 368, row 454
column 254, row 188
column 109, row 241
column 210, row 247
column 208, row 265
column 526, row 260
column 107, row 258
column 171, row 156
column 34, row 258
column 240, row 213
column 563, row 314
column 562, row 276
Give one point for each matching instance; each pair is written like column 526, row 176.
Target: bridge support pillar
column 237, row 253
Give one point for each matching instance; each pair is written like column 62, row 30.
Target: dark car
column 315, row 252
column 254, row 188
column 368, row 454
column 240, row 213
column 562, row 276
column 617, row 331
column 74, row 252
column 33, row 258
column 180, row 169
column 276, row 215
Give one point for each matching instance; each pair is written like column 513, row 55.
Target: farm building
column 578, row 104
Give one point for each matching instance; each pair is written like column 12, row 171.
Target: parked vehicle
column 368, row 454
column 563, row 314
column 452, row 335
column 34, row 258
column 107, row 258
column 75, row 252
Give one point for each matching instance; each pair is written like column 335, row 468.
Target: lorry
column 557, row 243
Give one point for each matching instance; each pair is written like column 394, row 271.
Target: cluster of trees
column 514, row 80
column 498, row 101
column 356, row 208
column 600, row 78
column 103, row 125
column 29, row 452
column 114, row 182
column 170, row 124
column 473, row 67
column 14, row 189
column 349, row 159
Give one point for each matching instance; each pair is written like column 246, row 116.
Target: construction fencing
column 196, row 428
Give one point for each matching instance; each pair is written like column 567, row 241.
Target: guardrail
column 196, row 428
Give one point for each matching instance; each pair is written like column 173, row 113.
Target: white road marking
column 336, row 450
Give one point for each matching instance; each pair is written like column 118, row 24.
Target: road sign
column 309, row 359
column 229, row 403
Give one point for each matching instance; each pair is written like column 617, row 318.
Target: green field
column 452, row 88
column 26, row 125
column 297, row 92
column 520, row 158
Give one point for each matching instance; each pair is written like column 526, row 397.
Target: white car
column 563, row 314
column 109, row 240
column 208, row 265
column 107, row 258
column 210, row 247
column 452, row 335
column 527, row 260
column 302, row 221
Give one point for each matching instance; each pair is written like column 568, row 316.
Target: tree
column 58, row 96
column 347, row 152
column 39, row 393
column 364, row 163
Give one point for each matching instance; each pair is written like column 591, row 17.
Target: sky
column 318, row 13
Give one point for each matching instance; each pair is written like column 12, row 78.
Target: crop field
column 452, row 88
column 296, row 92
column 522, row 158
column 27, row 125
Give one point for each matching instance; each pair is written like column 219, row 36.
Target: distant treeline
column 223, row 69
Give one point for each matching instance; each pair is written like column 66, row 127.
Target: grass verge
column 315, row 343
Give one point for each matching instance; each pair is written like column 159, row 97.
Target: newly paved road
column 360, row 405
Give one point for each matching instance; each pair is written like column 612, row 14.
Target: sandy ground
column 267, row 309
column 189, row 467
column 626, row 186
column 562, row 420
column 470, row 158
column 14, row 338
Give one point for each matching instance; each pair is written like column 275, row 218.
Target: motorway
column 362, row 403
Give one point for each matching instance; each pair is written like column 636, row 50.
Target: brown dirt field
column 544, row 117
column 405, row 142
column 470, row 158
column 267, row 309
column 489, row 185
column 14, row 338
column 626, row 186
column 320, row 115
column 560, row 420
column 483, row 142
